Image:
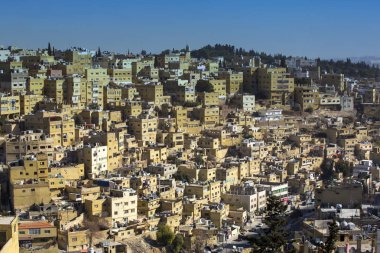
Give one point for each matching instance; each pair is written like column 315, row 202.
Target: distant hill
column 371, row 60
column 234, row 56
column 230, row 53
column 350, row 68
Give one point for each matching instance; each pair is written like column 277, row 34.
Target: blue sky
column 324, row 28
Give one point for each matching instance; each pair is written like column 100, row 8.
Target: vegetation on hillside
column 349, row 68
column 232, row 54
column 329, row 245
column 273, row 238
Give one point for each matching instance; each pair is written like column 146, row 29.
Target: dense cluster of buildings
column 97, row 150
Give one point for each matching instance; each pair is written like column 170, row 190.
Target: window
column 34, row 231
column 74, row 239
column 47, row 231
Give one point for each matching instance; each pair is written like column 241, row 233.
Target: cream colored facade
column 210, row 191
column 53, row 88
column 250, row 198
column 234, row 81
column 208, row 115
column 307, row 97
column 94, row 159
column 122, row 205
column 275, row 84
column 35, row 85
column 144, row 128
column 9, row 234
column 153, row 92
column 119, row 76
column 74, row 240
column 27, row 143
column 25, row 195
column 9, row 106
column 29, row 103
column 208, row 98
column 56, row 125
column 79, row 58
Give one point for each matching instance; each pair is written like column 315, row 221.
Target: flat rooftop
column 6, row 220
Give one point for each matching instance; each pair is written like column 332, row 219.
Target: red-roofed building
column 33, row 233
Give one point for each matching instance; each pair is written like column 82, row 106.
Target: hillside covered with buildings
column 211, row 150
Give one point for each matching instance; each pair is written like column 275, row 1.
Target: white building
column 246, row 196
column 123, row 63
column 347, row 103
column 248, row 103
column 270, row 115
column 122, row 205
column 165, row 170
column 251, row 142
column 4, row 54
column 276, row 189
column 94, row 159
column 300, row 62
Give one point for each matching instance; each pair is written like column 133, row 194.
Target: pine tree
column 327, row 169
column 273, row 238
column 344, row 167
column 156, row 61
column 329, row 245
column 283, row 62
column 49, row 49
column 98, row 53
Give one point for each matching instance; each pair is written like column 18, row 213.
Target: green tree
column 329, row 245
column 204, row 86
column 181, row 177
column 303, row 80
column 98, row 53
column 273, row 238
column 156, row 63
column 327, row 168
column 165, row 235
column 344, row 167
column 191, row 104
column 78, row 119
column 177, row 243
column 309, row 110
column 49, row 49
